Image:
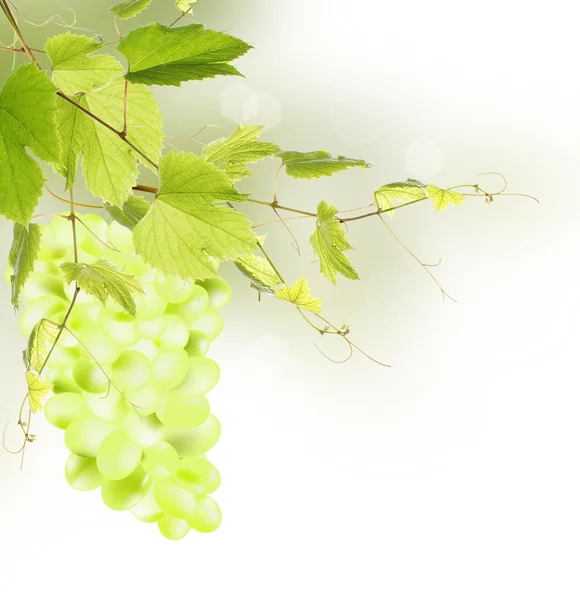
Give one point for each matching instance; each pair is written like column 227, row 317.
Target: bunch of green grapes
column 129, row 392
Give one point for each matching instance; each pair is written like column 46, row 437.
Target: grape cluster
column 130, row 395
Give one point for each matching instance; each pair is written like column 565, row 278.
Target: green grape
column 89, row 376
column 123, row 494
column 131, row 371
column 148, row 510
column 42, row 266
column 111, row 407
column 173, row 289
column 50, row 252
column 178, row 412
column 197, row 345
column 176, row 334
column 194, row 306
column 152, row 329
column 94, row 244
column 120, row 238
column 202, row 376
column 161, row 460
column 206, row 517
column 43, row 284
column 196, row 441
column 82, row 473
column 219, row 292
column 173, row 499
column 197, row 475
column 64, row 382
column 62, row 357
column 146, row 400
column 209, row 323
column 145, row 431
column 61, row 231
column 119, row 327
column 45, row 307
column 173, row 529
column 149, row 304
column 169, row 369
column 62, row 409
column 85, row 434
column 118, row 456
column 148, row 348
column 96, row 344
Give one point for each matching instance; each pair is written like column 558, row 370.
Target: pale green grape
column 62, row 409
column 145, row 431
column 94, row 243
column 111, row 407
column 44, row 307
column 183, row 412
column 195, row 305
column 96, row 344
column 118, row 456
column 146, row 400
column 50, row 268
column 89, row 376
column 202, row 376
column 169, row 369
column 219, row 291
column 61, row 231
column 43, row 284
column 120, row 238
column 196, row 441
column 173, row 289
column 152, row 329
column 206, row 517
column 176, row 334
column 82, row 473
column 50, row 252
column 119, row 327
column 173, row 529
column 85, row 434
column 149, row 304
column 131, row 371
column 62, row 357
column 64, row 382
column 148, row 510
column 161, row 460
column 123, row 494
column 197, row 345
column 173, row 499
column 209, row 323
column 197, row 475
column 147, row 348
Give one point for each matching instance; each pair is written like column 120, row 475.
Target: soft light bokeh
column 452, row 474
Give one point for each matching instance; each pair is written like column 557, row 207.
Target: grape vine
column 120, row 309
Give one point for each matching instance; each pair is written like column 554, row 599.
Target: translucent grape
column 173, row 499
column 85, row 434
column 96, row 344
column 82, row 473
column 44, row 307
column 131, row 371
column 118, row 456
column 151, row 329
column 195, row 305
column 123, row 494
column 169, row 369
column 148, row 510
column 173, row 529
column 146, row 400
column 179, row 412
column 42, row 284
column 89, row 376
column 161, row 460
column 193, row 442
column 176, row 334
column 62, row 409
column 111, row 407
column 64, row 382
column 173, row 289
column 197, row 475
column 145, row 431
column 62, row 357
column 120, row 238
column 149, row 304
column 94, row 244
column 219, row 292
column 61, row 231
column 119, row 327
column 206, row 517
column 209, row 323
column 197, row 345
column 202, row 376
column 50, row 251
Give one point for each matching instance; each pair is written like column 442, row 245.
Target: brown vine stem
column 8, row 13
column 77, row 204
column 146, row 188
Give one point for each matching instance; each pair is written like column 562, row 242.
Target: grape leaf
column 129, row 8
column 41, row 339
column 299, row 294
column 27, row 108
column 37, row 390
column 74, row 69
column 443, row 198
column 103, row 280
column 231, row 154
column 134, row 209
column 159, row 55
column 401, row 191
column 184, row 5
column 329, row 243
column 23, row 252
column 260, row 273
column 313, row 165
column 184, row 231
column 109, row 164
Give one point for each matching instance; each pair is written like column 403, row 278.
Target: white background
column 453, row 474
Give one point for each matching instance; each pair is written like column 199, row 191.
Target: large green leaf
column 320, row 163
column 185, row 232
column 159, row 55
column 23, row 252
column 27, row 109
column 74, row 69
column 129, row 8
column 329, row 243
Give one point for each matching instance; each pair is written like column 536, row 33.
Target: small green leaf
column 103, row 280
column 232, row 153
column 320, row 163
column 184, row 5
column 134, row 209
column 299, row 294
column 260, row 273
column 387, row 196
column 329, row 243
column 129, row 8
column 159, row 55
column 37, row 390
column 23, row 252
column 443, row 198
column 40, row 342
